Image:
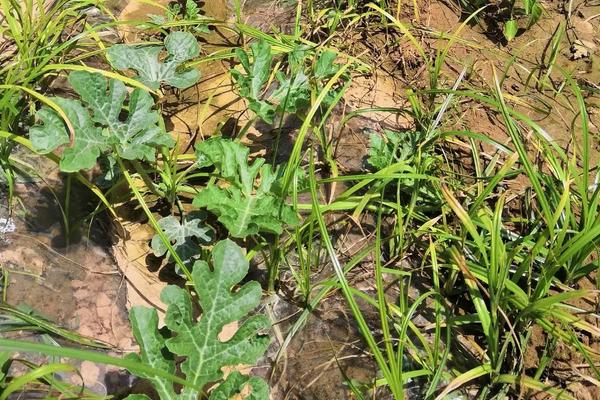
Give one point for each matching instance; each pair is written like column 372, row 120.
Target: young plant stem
column 67, row 213
column 274, row 259
column 147, row 181
column 153, row 221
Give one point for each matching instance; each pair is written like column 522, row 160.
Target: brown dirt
column 310, row 369
column 568, row 368
column 329, row 343
column 314, row 363
column 81, row 280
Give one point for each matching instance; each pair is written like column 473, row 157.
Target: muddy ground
column 97, row 275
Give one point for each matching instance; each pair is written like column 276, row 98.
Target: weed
column 512, row 11
column 491, row 263
column 186, row 11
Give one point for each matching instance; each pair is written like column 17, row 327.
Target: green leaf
column 47, row 137
column 144, row 323
column 182, row 236
column 235, row 384
column 106, row 105
column 401, row 147
column 89, row 142
column 139, row 136
column 534, row 14
column 244, row 215
column 197, row 342
column 382, row 151
column 192, row 11
column 135, row 138
column 175, row 12
column 390, row 148
column 510, row 30
column 293, row 90
column 292, row 94
column 297, row 57
column 241, row 206
column 230, row 159
column 256, row 76
column 158, row 20
column 180, row 47
column 110, row 172
column 5, row 362
column 261, row 67
column 265, row 110
column 137, row 397
column 325, row 67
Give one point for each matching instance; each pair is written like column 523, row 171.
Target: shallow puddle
column 74, row 285
column 321, row 357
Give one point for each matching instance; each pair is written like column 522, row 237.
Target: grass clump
column 500, row 247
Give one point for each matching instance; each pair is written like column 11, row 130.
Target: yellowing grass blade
column 538, row 386
column 464, row 378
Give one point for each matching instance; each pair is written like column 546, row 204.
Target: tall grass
column 490, row 273
column 38, row 37
column 517, row 271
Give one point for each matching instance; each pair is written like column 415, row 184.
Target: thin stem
column 153, row 221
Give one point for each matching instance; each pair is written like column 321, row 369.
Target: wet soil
column 90, row 290
column 321, row 359
column 533, row 86
column 72, row 281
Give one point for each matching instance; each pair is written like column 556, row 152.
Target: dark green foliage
column 97, row 125
column 197, row 341
column 248, row 203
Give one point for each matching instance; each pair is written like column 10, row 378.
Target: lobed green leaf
column 180, row 47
